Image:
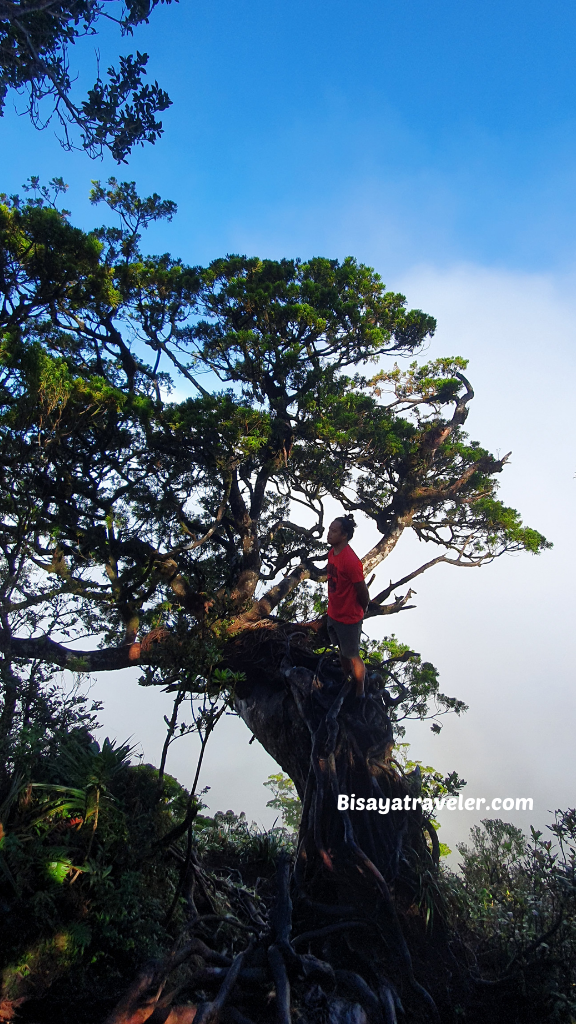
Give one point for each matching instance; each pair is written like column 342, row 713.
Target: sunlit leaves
column 422, row 382
column 273, row 325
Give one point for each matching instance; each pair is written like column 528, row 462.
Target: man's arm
column 362, row 594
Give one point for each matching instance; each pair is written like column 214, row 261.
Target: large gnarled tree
column 185, row 536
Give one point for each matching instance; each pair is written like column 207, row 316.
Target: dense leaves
column 513, row 910
column 91, row 848
column 79, row 823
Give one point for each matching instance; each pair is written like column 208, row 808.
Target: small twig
column 169, row 736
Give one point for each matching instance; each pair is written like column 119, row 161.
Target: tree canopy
column 125, row 511
column 120, row 109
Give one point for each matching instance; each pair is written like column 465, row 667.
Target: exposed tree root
column 329, row 946
column 209, row 1013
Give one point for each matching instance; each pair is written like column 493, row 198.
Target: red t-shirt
column 344, row 570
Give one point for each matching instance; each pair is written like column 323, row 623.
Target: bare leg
column 356, row 667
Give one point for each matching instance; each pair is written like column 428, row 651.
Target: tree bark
column 360, row 862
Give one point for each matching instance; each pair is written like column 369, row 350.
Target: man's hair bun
column 348, row 525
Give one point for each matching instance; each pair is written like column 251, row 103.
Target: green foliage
column 436, row 380
column 321, row 310
column 308, row 602
column 513, row 903
column 119, row 110
column 82, row 867
column 429, row 783
column 285, row 799
column 411, row 681
column 231, row 838
column 125, row 514
column 46, row 716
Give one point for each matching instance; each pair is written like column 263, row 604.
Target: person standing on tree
column 348, row 599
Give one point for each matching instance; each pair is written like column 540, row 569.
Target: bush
column 513, row 907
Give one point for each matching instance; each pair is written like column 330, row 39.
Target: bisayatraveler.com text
column 438, row 803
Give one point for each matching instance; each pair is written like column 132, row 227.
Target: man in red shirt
column 348, row 599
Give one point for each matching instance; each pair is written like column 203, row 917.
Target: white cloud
column 503, row 636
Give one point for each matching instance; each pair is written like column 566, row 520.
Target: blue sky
column 297, row 126
column 436, row 142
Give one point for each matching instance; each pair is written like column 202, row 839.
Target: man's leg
column 357, row 669
column 347, row 638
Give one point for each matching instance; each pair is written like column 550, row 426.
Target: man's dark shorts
column 346, row 635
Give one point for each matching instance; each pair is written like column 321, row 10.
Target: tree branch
column 48, row 651
column 399, row 604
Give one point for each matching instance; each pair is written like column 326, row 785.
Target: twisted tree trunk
column 333, row 940
column 356, row 872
